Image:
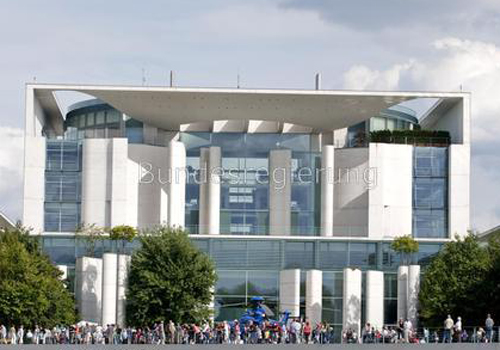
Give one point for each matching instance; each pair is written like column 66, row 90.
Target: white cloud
column 361, row 77
column 11, row 173
column 455, row 63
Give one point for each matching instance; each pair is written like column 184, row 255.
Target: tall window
column 430, row 192
column 244, row 205
column 62, row 186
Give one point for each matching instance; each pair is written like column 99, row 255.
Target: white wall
column 402, row 292
column 327, row 189
column 352, row 300
column 290, row 291
column 413, row 289
column 390, row 196
column 121, row 288
column 88, row 289
column 314, row 296
column 375, row 299
column 351, row 193
column 210, row 190
column 147, row 184
column 456, row 120
column 104, row 181
column 109, row 288
column 176, row 187
column 34, row 183
column 459, row 190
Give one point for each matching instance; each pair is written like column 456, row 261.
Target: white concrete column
column 214, row 180
column 96, row 178
column 280, row 192
column 402, row 291
column 290, row 291
column 121, row 289
column 327, row 189
column 314, row 296
column 352, row 300
column 34, row 183
column 88, row 289
column 177, row 184
column 118, row 184
column 375, row 299
column 203, row 196
column 109, row 284
column 210, row 190
column 412, row 293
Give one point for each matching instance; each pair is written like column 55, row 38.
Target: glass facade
column 395, row 118
column 62, row 186
column 332, row 308
column 245, row 182
column 251, row 267
column 430, row 192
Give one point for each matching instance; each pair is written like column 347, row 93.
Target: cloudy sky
column 355, row 44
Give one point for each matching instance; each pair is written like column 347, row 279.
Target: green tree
column 169, row 279
column 90, row 234
column 122, row 234
column 456, row 283
column 406, row 246
column 31, row 291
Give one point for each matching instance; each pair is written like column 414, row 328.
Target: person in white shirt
column 20, row 335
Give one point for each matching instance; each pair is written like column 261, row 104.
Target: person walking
column 448, row 326
column 488, row 324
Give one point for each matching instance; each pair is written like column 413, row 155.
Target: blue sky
column 356, row 44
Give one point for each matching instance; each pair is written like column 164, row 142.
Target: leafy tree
column 122, row 234
column 90, row 234
column 169, row 279
column 456, row 283
column 406, row 246
column 31, row 291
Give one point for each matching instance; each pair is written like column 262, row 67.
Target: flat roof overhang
column 170, row 107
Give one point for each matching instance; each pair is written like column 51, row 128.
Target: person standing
column 489, row 323
column 3, row 334
column 458, row 329
column 20, row 335
column 448, row 326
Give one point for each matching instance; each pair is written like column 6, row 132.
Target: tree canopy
column 169, row 279
column 458, row 281
column 406, row 246
column 31, row 291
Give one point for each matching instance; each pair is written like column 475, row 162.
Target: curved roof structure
column 170, row 107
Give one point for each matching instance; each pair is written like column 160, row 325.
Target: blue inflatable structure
column 258, row 313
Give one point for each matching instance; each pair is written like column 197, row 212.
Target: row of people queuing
column 295, row 332
column 404, row 332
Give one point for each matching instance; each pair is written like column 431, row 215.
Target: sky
column 444, row 45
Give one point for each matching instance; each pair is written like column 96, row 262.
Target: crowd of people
column 296, row 331
column 404, row 332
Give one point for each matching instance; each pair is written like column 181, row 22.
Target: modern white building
column 289, row 191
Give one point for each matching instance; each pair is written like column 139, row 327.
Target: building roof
column 171, row 107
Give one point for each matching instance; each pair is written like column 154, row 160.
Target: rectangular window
column 430, row 192
column 299, row 255
column 62, row 186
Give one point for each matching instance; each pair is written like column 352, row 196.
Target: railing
column 265, row 230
